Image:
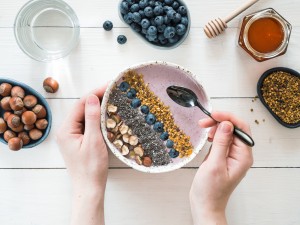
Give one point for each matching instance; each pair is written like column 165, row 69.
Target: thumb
column 222, row 140
column 92, row 115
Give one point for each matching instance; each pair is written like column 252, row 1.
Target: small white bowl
column 160, row 75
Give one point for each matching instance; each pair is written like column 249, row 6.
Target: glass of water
column 47, row 29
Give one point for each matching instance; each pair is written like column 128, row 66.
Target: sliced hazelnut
column 138, row 151
column 125, row 138
column 20, row 112
column 16, row 103
column 30, row 101
column 129, row 131
column 8, row 135
column 35, row 134
column 25, row 137
column 6, row 115
column 28, row 127
column 17, row 91
column 13, row 121
column 123, row 129
column 5, row 89
column 118, row 136
column 110, row 123
column 124, row 150
column 5, row 103
column 118, row 144
column 111, row 109
column 115, row 130
column 131, row 155
column 40, row 111
column 41, row 124
column 29, row 118
column 15, row 143
column 116, row 118
column 18, row 129
column 133, row 140
column 3, row 126
column 138, row 160
column 110, row 136
column 147, row 161
column 50, row 85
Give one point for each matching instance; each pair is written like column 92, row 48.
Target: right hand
column 224, row 167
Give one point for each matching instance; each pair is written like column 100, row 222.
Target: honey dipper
column 217, row 26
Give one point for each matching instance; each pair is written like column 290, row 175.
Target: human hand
column 86, row 157
column 223, row 168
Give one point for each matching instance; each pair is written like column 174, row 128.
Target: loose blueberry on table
column 107, row 25
column 122, row 39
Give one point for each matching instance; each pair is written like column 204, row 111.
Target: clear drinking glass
column 47, row 29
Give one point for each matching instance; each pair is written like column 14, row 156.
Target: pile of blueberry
column 161, row 22
column 149, row 118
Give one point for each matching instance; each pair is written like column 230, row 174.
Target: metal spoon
column 187, row 98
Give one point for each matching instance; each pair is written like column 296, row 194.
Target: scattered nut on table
column 50, row 85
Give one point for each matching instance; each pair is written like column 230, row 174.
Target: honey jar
column 265, row 34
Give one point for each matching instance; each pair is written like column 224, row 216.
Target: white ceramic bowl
column 160, row 75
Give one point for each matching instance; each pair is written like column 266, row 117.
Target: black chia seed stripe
column 153, row 146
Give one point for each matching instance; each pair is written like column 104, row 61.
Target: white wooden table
column 34, row 185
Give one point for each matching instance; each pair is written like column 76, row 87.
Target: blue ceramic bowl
column 41, row 100
column 260, row 94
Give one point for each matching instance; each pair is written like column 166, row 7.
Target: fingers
column 222, row 141
column 92, row 116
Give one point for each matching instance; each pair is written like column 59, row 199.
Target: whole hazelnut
column 28, row 118
column 30, row 101
column 6, row 115
column 41, row 124
column 17, row 91
column 5, row 103
column 15, row 143
column 40, row 111
column 3, row 126
column 50, row 85
column 25, row 137
column 28, row 127
column 16, row 103
column 18, row 129
column 35, row 134
column 147, row 161
column 5, row 89
column 8, row 135
column 13, row 121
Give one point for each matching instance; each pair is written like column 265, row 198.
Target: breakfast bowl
column 143, row 127
column 41, row 109
column 279, row 91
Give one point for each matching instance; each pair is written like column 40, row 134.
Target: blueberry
column 132, row 90
column 171, row 14
column 167, row 20
column 122, row 39
column 158, row 10
column 175, row 5
column 137, row 17
column 170, row 143
column 158, row 127
column 161, row 37
column 124, row 86
column 131, row 93
column 143, row 4
column 169, row 32
column 174, row 39
column 150, row 119
column 124, row 7
column 144, row 31
column 184, row 21
column 159, row 20
column 107, row 25
column 180, row 29
column 152, row 21
column 136, row 27
column 169, row 2
column 152, row 38
column 164, row 136
column 182, row 10
column 135, row 8
column 161, row 28
column 145, row 23
column 173, row 153
column 166, row 8
column 148, row 11
column 130, row 2
column 145, row 109
column 158, row 3
column 177, row 18
column 135, row 103
column 152, row 31
column 163, row 41
column 142, row 13
column 152, row 3
column 128, row 18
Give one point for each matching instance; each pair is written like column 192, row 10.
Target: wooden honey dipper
column 217, row 26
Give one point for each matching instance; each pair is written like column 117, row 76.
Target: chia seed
column 153, row 146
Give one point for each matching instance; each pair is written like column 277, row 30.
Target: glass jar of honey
column 265, row 34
